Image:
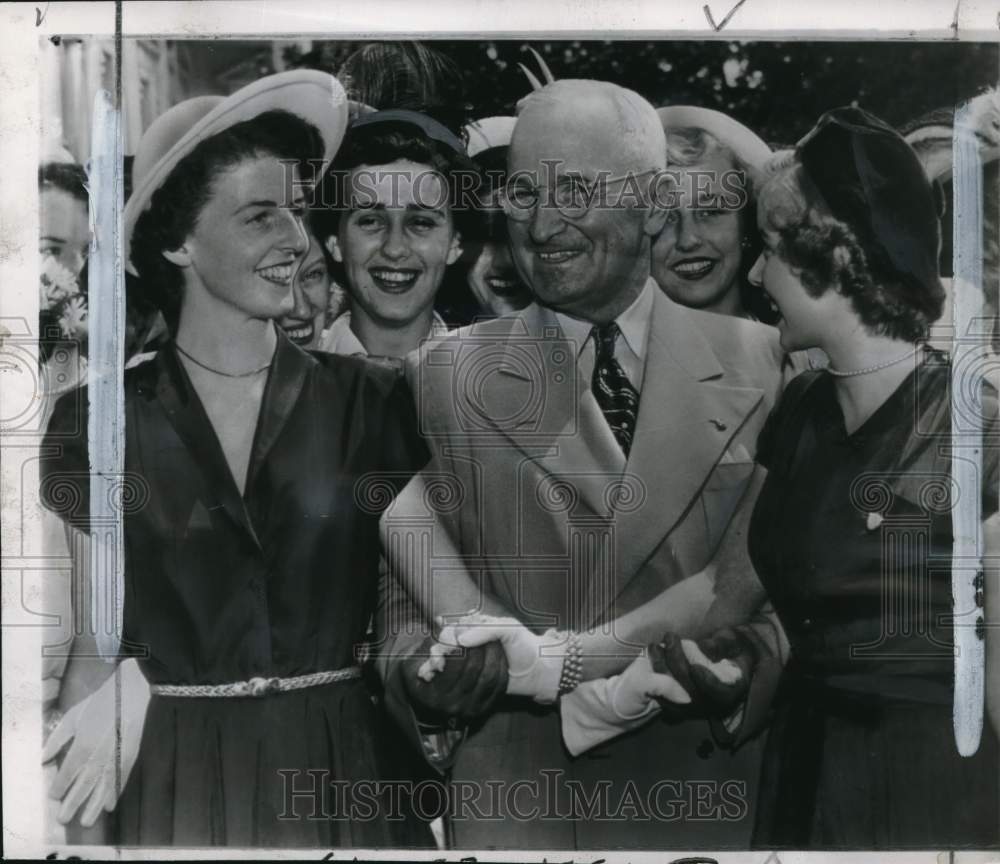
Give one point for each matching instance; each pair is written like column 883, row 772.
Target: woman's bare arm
column 724, row 594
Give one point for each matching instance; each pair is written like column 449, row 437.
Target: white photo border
column 22, row 26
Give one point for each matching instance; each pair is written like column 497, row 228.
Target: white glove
column 90, row 774
column 534, row 662
column 599, row 710
column 633, row 693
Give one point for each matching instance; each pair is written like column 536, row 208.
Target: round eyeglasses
column 571, row 195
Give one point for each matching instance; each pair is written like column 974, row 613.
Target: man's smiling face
column 583, row 266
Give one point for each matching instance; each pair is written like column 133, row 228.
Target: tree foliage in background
column 777, row 88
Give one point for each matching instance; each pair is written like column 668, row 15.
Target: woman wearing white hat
column 491, row 274
column 251, row 558
column 705, row 251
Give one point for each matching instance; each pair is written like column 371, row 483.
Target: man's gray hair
column 642, row 138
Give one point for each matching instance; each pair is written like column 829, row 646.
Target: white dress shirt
column 339, row 338
column 630, row 347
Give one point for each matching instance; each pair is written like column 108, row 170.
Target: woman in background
column 63, row 244
column 932, row 136
column 704, row 253
column 409, row 76
column 316, row 299
column 490, row 272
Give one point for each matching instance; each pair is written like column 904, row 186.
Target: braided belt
column 256, row 686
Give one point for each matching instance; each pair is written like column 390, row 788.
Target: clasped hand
column 709, row 677
column 714, row 671
column 478, row 658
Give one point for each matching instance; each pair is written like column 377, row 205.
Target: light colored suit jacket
column 565, row 532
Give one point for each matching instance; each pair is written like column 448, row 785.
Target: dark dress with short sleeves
column 280, row 581
column 852, row 537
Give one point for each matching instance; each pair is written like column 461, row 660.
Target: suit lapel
column 541, row 403
column 187, row 415
column 688, row 415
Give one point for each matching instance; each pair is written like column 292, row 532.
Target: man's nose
column 546, row 222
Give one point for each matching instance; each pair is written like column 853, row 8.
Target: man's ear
column 655, row 219
column 333, row 247
column 455, row 250
column 179, row 257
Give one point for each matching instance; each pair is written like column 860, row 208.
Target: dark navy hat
column 428, row 125
column 870, row 178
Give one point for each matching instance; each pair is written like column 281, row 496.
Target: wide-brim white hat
column 316, row 97
column 746, row 144
column 489, row 132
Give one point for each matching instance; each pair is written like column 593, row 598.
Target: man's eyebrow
column 53, row 239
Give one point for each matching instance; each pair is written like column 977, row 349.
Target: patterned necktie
column 618, row 399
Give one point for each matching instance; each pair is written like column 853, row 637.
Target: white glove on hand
column 600, row 710
column 90, row 774
column 633, row 693
column 534, row 662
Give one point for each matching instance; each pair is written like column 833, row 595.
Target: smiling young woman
column 854, row 554
column 490, row 273
column 251, row 570
column 394, row 223
column 311, row 297
column 705, row 251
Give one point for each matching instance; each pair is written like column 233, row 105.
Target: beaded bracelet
column 572, row 668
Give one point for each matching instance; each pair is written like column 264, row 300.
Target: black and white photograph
column 484, row 440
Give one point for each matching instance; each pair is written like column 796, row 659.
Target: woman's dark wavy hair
column 455, row 301
column 383, row 143
column 66, row 176
column 492, row 163
column 827, row 253
column 70, row 178
column 175, row 207
column 410, row 75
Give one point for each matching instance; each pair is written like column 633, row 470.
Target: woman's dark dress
column 852, row 539
column 277, row 582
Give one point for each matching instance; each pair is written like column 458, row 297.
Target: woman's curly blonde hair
column 827, row 253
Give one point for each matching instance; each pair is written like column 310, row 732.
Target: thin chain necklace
column 208, row 368
column 869, row 369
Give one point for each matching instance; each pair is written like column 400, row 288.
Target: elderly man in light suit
column 596, row 455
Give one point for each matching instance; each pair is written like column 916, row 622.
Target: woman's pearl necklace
column 868, row 369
